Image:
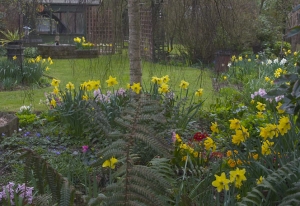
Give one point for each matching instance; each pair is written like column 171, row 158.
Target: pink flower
column 85, row 148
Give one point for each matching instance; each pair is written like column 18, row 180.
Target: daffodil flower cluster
column 237, row 177
column 82, row 44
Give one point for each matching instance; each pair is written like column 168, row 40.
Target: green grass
column 79, row 70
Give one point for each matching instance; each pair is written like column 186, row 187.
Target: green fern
column 44, row 175
column 140, row 123
column 280, row 187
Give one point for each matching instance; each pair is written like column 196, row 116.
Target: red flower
column 200, row 136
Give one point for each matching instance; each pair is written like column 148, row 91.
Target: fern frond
column 158, row 145
column 45, row 175
column 42, row 200
column 67, row 194
column 278, row 187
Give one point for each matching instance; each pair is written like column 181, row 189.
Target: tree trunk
column 134, row 42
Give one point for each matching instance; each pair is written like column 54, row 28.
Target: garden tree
column 14, row 14
column 204, row 26
column 272, row 19
column 134, row 42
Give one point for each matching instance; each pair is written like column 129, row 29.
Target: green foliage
column 280, row 46
column 31, row 52
column 26, row 119
column 70, row 109
column 291, row 92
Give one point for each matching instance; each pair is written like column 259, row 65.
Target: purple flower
column 85, row 148
column 38, row 134
column 97, row 93
column 254, row 95
column 121, row 92
column 278, row 98
column 262, row 92
column 26, row 134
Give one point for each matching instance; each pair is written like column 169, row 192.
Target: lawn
column 79, row 70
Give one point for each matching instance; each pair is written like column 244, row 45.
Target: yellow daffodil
column 235, row 124
column 154, row 79
column 136, row 87
column 284, row 125
column 14, row 57
column 96, row 85
column 70, row 86
column 165, row 79
column 184, row 84
column 259, row 180
column 267, row 79
column 53, row 102
column 199, row 92
column 260, row 115
column 55, row 90
column 214, row 127
column 85, row 97
column 210, row 144
column 55, row 82
column 164, row 88
column 233, row 58
column 238, row 176
column 280, row 111
column 111, row 81
column 265, row 148
column 240, row 136
column 221, row 182
column 260, row 106
column 110, row 163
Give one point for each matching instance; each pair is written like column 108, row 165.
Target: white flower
column 229, row 64
column 269, row 61
column 275, row 61
column 283, row 61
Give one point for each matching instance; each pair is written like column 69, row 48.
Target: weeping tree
column 204, row 26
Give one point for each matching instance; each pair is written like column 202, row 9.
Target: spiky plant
column 136, row 184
